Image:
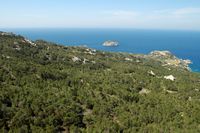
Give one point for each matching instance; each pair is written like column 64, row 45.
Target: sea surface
column 183, row 44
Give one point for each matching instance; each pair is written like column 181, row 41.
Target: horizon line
column 117, row 28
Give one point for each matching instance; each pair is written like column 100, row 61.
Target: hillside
column 45, row 87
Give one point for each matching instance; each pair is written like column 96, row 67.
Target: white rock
column 94, row 62
column 161, row 53
column 75, row 59
column 18, row 48
column 144, row 91
column 109, row 69
column 87, row 49
column 90, row 51
column 152, row 73
column 182, row 114
column 171, row 92
column 31, row 43
column 137, row 61
column 190, row 99
column 128, row 59
column 170, row 77
column 85, row 60
column 94, row 50
column 8, row 57
column 16, row 43
column 6, row 33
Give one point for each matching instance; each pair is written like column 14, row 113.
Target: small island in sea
column 110, row 43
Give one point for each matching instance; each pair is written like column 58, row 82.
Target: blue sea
column 184, row 44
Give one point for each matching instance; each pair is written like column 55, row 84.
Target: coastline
column 131, row 40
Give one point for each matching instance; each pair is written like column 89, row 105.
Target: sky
column 140, row 14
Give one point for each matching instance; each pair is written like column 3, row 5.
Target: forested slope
column 46, row 87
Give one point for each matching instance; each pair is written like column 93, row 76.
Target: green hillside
column 45, row 87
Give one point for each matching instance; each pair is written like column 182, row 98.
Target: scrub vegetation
column 45, row 87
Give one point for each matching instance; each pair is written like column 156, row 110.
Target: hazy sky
column 151, row 14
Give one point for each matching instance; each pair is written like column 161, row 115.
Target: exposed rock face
column 170, row 77
column 168, row 59
column 85, row 60
column 110, row 43
column 75, row 59
column 30, row 42
column 161, row 54
column 90, row 51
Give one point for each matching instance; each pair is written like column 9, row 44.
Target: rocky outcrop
column 30, row 42
column 90, row 51
column 75, row 59
column 168, row 59
column 170, row 77
column 162, row 54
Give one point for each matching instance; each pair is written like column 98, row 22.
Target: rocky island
column 46, row 87
column 110, row 43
